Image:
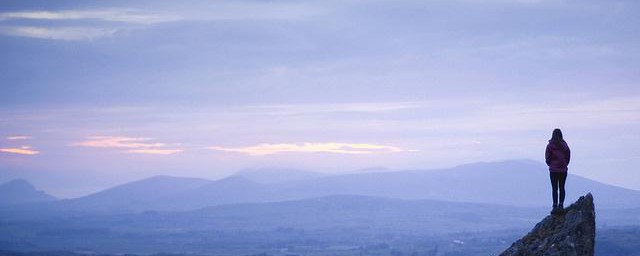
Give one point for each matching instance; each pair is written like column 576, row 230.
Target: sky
column 97, row 93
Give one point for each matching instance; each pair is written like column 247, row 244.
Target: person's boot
column 554, row 210
column 560, row 207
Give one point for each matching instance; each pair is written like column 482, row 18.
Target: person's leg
column 554, row 188
column 562, row 178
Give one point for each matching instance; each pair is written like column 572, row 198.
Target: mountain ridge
column 518, row 183
column 20, row 191
column 276, row 174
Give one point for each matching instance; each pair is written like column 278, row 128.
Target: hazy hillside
column 135, row 195
column 518, row 183
column 21, row 191
column 523, row 183
column 354, row 212
column 277, row 175
column 341, row 224
column 241, row 229
column 230, row 190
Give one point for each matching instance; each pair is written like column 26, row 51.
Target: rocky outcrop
column 569, row 233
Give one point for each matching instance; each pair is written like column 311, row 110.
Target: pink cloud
column 155, row 151
column 136, row 145
column 24, row 150
column 329, row 147
column 118, row 142
column 19, row 137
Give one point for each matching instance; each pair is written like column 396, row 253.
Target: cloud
column 214, row 11
column 155, row 151
column 331, row 147
column 19, row 137
column 117, row 142
column 75, row 32
column 113, row 15
column 58, row 33
column 362, row 107
column 24, row 150
column 258, row 10
column 482, row 116
column 110, row 20
column 134, row 145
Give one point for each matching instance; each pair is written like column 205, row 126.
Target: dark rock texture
column 572, row 232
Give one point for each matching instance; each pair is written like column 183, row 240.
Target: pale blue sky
column 95, row 93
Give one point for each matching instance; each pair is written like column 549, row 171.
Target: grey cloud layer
column 459, row 81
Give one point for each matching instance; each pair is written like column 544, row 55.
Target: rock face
column 572, row 232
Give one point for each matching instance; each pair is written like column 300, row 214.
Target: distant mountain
column 20, row 191
column 373, row 169
column 169, row 194
column 138, row 194
column 356, row 212
column 517, row 183
column 230, row 190
column 384, row 214
column 277, row 175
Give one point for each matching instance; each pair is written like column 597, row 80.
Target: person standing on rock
column 557, row 157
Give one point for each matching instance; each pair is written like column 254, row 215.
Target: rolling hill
column 516, row 183
column 20, row 191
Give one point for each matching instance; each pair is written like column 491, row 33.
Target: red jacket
column 558, row 156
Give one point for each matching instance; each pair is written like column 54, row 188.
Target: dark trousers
column 557, row 183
